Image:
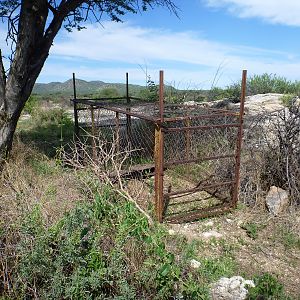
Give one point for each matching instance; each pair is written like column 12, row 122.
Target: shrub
column 108, row 92
column 282, row 166
column 31, row 104
column 104, row 249
column 267, row 287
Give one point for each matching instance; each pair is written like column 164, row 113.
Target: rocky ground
column 258, row 241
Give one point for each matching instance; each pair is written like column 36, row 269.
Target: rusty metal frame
column 123, row 105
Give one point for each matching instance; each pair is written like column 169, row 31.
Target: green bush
column 267, row 287
column 31, row 104
column 150, row 93
column 108, row 92
column 288, row 99
column 257, row 84
column 100, row 250
column 269, row 83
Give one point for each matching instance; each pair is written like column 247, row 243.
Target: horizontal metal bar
column 174, row 129
column 197, row 189
column 86, row 125
column 123, row 111
column 189, row 161
column 129, row 113
column 196, row 200
column 197, row 106
column 195, row 117
column 82, row 100
column 200, row 213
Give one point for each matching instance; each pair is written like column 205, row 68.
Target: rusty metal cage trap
column 193, row 151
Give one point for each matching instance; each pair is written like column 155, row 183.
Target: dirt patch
column 258, row 243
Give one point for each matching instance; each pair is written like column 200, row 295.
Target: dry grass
column 27, row 181
column 30, row 179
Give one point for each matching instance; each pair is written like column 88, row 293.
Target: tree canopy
column 32, row 26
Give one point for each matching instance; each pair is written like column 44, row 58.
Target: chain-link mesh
column 200, row 155
column 199, row 147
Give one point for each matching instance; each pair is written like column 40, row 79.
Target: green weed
column 251, row 230
column 267, row 287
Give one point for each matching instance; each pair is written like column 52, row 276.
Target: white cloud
column 131, row 44
column 185, row 56
column 272, row 11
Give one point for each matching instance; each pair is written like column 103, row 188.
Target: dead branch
column 107, row 166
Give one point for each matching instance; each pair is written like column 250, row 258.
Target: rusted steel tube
column 159, row 172
column 189, row 161
column 161, row 96
column 174, row 129
column 161, row 176
column 211, row 116
column 239, row 141
column 123, row 111
column 203, row 213
column 196, row 189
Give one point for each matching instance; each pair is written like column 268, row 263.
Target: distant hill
column 83, row 88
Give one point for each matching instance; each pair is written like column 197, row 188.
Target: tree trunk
column 32, row 49
column 7, row 130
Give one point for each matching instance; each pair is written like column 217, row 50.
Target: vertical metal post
column 159, row 172
column 117, row 137
column 161, row 96
column 93, row 134
column 239, row 141
column 128, row 117
column 76, row 126
column 159, row 155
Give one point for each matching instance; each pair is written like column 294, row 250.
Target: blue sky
column 209, row 35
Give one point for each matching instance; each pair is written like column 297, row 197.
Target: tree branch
column 2, row 84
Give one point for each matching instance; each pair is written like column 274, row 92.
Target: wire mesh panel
column 193, row 151
column 199, row 155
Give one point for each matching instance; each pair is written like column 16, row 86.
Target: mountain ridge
column 83, row 87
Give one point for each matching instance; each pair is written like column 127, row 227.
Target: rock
column 212, row 233
column 277, row 200
column 171, row 232
column 233, row 288
column 195, row 264
column 209, row 224
column 190, row 103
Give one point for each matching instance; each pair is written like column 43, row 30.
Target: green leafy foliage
column 269, row 83
column 31, row 104
column 101, row 250
column 108, row 93
column 251, row 230
column 267, row 287
column 150, row 93
column 257, row 84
